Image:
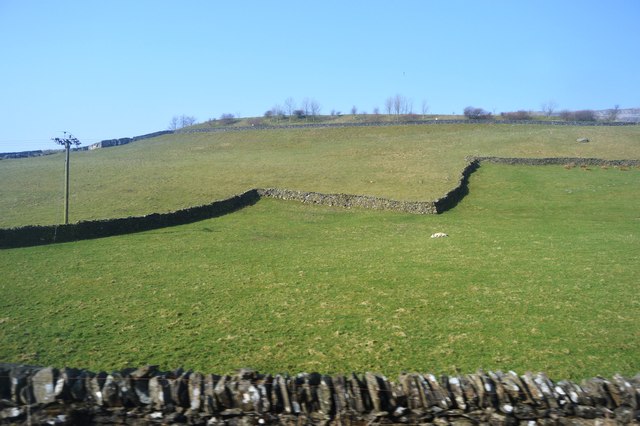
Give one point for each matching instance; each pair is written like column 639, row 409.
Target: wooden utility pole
column 67, row 141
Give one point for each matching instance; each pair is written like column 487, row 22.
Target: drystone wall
column 37, row 235
column 554, row 161
column 36, row 395
column 349, row 201
column 102, row 144
column 458, row 192
column 400, row 122
column 124, row 141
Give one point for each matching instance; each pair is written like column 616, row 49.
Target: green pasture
column 539, row 272
column 414, row 162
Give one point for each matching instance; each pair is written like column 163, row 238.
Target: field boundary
column 109, row 143
column 26, row 236
column 556, row 161
column 130, row 396
column 33, row 235
column 402, row 122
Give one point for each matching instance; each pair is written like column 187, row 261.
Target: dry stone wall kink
column 458, row 192
column 37, row 395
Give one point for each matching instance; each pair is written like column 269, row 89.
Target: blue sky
column 110, row 69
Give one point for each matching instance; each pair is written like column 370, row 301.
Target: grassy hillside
column 539, row 273
column 177, row 171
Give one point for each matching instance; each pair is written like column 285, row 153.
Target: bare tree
column 398, row 105
column 310, row 107
column 425, row 107
column 613, row 113
column 314, row 108
column 549, row 107
column 187, row 120
column 173, row 124
column 180, row 121
column 276, row 112
column 305, row 106
column 289, row 106
column 408, row 106
column 67, row 140
column 388, row 105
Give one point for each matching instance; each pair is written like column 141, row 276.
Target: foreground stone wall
column 36, row 395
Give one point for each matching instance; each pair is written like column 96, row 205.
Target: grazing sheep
column 439, row 235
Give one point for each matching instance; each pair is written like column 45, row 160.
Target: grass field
column 539, row 271
column 172, row 172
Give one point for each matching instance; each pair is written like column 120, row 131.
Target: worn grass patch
column 539, row 272
column 415, row 163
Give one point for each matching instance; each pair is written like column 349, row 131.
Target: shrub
column 228, row 119
column 582, row 115
column 476, row 113
column 517, row 115
column 585, row 115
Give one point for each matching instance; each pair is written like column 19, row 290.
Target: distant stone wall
column 36, row 395
column 107, row 143
column 372, row 123
column 26, row 154
column 102, row 144
column 124, row 141
column 557, row 161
